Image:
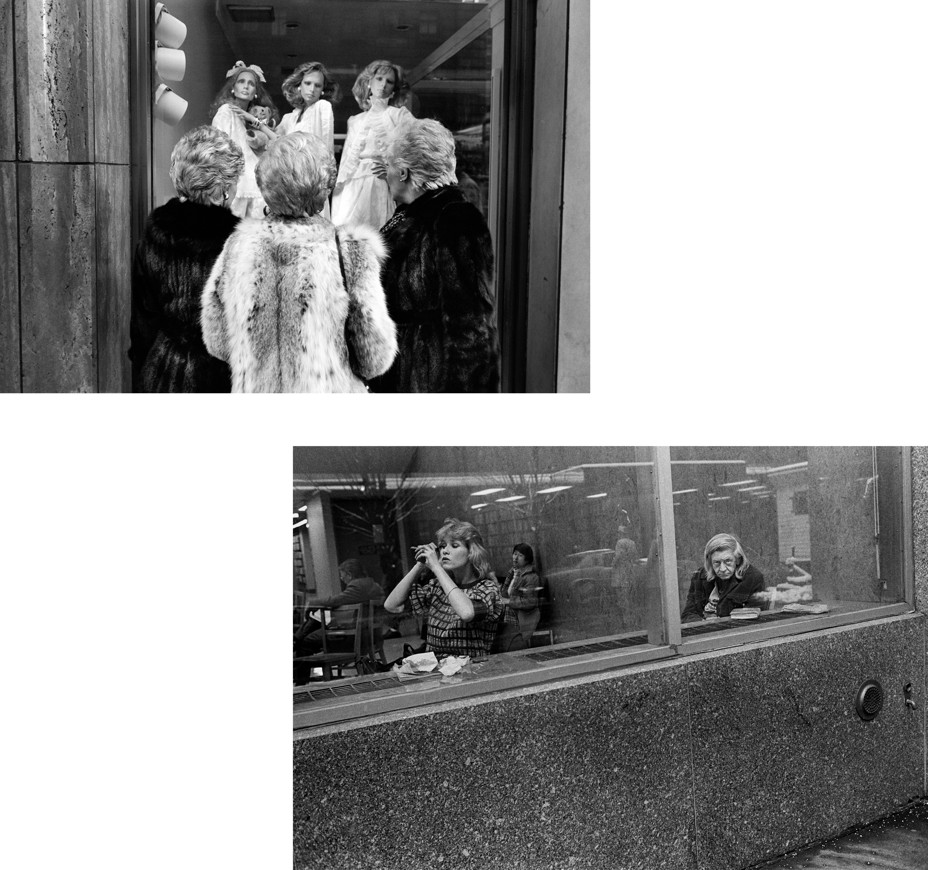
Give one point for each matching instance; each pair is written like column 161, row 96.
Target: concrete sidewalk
column 897, row 842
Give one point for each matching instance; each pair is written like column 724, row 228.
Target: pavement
column 896, row 842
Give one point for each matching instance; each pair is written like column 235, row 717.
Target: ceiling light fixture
column 489, row 491
column 598, row 495
column 511, row 498
column 552, row 489
column 300, row 523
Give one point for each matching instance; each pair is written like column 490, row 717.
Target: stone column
column 64, row 182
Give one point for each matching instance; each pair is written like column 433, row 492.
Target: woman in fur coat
column 438, row 277
column 178, row 247
column 293, row 303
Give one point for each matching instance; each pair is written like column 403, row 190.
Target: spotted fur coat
column 277, row 310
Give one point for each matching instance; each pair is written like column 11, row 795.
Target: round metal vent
column 869, row 700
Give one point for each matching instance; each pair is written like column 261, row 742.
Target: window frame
column 671, row 645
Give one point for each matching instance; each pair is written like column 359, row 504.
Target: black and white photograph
column 386, row 196
column 607, row 656
column 693, row 224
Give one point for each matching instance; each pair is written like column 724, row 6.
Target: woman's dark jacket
column 179, row 245
column 733, row 593
column 438, row 282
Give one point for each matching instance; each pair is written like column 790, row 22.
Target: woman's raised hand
column 379, row 168
column 245, row 116
column 427, row 554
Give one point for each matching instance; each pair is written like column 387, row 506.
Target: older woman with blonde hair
column 726, row 581
column 293, row 303
column 178, row 247
column 439, row 275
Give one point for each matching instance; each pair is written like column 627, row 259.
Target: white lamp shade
column 170, row 63
column 169, row 107
column 169, row 31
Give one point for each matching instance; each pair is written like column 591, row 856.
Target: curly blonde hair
column 205, row 164
column 425, row 149
column 296, row 174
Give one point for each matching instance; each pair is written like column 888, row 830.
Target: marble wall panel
column 593, row 775
column 9, row 282
column 54, row 89
column 7, row 74
column 113, row 299
column 58, row 273
column 780, row 756
column 111, row 81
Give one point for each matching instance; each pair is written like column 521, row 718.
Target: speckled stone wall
column 715, row 761
column 920, row 524
column 597, row 775
column 782, row 758
column 65, row 191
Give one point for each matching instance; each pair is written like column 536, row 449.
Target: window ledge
column 749, row 633
column 496, row 674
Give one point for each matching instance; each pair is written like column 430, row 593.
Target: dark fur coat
column 179, row 245
column 292, row 316
column 438, row 281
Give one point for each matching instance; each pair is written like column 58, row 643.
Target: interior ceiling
column 345, row 35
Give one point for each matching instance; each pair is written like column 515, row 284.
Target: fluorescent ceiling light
column 296, row 516
column 720, row 498
column 300, row 523
column 302, row 508
column 489, row 491
column 511, row 498
column 753, row 488
column 474, row 507
column 683, row 491
column 552, row 489
column 598, row 495
column 787, row 469
column 739, row 482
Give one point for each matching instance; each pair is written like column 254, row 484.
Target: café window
column 616, row 536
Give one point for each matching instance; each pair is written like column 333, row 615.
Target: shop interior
column 446, row 47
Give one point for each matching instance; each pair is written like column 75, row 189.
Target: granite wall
column 64, row 191
column 713, row 761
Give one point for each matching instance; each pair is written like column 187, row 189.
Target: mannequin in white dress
column 312, row 92
column 243, row 87
column 361, row 196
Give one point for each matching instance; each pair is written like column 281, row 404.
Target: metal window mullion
column 667, row 542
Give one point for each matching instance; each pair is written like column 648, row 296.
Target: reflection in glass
column 586, row 513
column 807, row 517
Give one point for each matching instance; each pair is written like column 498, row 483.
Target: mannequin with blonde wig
column 361, row 195
column 312, row 92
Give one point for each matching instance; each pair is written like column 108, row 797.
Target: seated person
column 459, row 597
column 356, row 588
column 726, row 581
